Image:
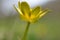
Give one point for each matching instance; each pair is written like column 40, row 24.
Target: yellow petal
column 43, row 13
column 25, row 8
column 36, row 10
column 18, row 10
column 19, row 5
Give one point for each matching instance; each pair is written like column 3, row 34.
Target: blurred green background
column 12, row 27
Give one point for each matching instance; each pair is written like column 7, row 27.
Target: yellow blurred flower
column 28, row 14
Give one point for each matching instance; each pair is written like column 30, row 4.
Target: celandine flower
column 28, row 14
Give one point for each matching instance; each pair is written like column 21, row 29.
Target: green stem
column 26, row 31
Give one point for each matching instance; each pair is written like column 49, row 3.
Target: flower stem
column 26, row 31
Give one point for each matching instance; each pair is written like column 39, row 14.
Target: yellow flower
column 28, row 14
